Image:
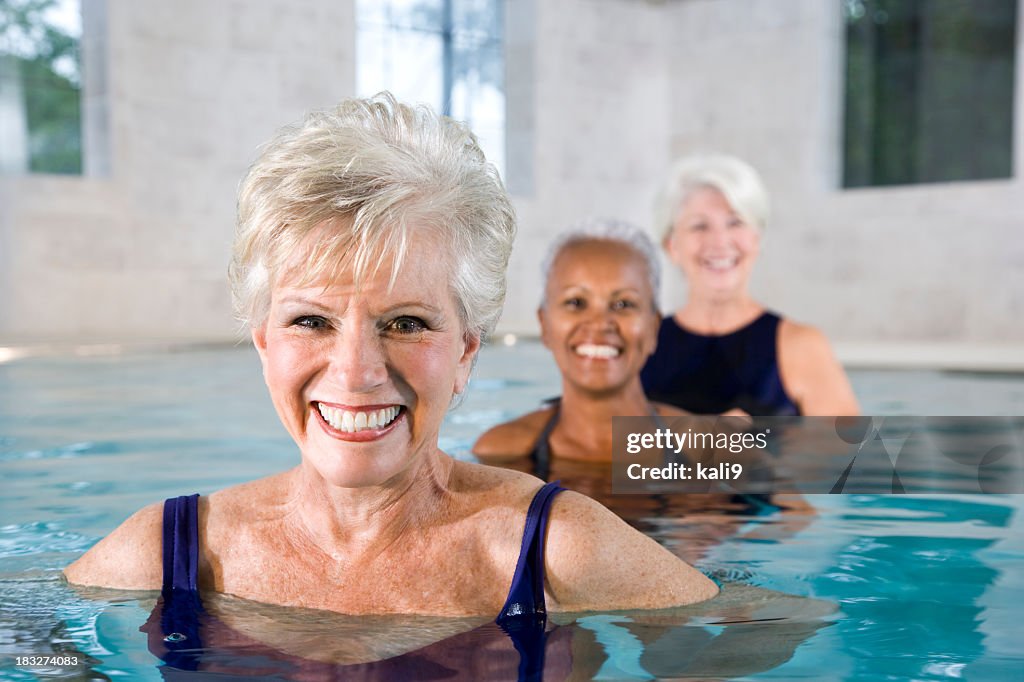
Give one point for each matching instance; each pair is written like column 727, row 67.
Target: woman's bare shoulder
column 514, row 438
column 246, row 499
column 811, row 373
column 797, row 336
column 665, row 410
column 129, row 558
column 596, row 561
column 493, row 485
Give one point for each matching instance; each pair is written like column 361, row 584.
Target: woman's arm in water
column 596, row 562
column 513, row 439
column 811, row 373
column 128, row 559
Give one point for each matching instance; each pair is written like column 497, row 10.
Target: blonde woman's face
column 362, row 377
column 713, row 245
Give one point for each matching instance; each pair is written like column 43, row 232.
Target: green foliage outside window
column 929, row 90
column 43, row 58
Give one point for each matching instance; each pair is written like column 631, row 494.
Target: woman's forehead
column 592, row 251
column 604, row 261
column 332, row 252
column 419, row 276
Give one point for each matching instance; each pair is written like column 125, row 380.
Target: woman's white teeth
column 720, row 263
column 350, row 422
column 590, row 350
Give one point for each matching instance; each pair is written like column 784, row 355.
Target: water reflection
column 912, row 603
column 743, row 631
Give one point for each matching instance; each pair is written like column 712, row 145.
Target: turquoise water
column 848, row 588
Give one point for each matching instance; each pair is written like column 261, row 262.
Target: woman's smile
column 358, row 424
column 597, row 351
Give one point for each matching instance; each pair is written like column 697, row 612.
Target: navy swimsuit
column 713, row 374
column 180, row 614
column 540, row 453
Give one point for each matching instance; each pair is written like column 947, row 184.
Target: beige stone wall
column 602, row 94
column 139, row 249
column 598, row 124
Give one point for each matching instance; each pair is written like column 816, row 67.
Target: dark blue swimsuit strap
column 540, row 454
column 526, row 595
column 180, row 605
column 181, row 543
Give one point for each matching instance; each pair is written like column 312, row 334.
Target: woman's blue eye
column 408, row 325
column 310, row 322
column 574, row 303
column 623, row 305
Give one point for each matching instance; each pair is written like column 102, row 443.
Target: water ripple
column 26, row 539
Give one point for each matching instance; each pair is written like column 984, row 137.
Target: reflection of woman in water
column 369, row 264
column 722, row 351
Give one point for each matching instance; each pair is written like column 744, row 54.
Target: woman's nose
column 602, row 318
column 358, row 359
column 718, row 235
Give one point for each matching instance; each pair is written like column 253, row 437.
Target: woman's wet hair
column 344, row 190
column 606, row 230
column 736, row 179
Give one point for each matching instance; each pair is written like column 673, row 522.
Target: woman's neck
column 351, row 521
column 584, row 429
column 718, row 314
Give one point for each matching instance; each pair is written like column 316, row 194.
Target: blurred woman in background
column 722, row 351
column 599, row 319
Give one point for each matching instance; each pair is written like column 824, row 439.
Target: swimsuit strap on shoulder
column 526, row 595
column 181, row 543
column 541, row 452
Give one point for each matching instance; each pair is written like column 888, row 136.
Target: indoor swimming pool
column 844, row 587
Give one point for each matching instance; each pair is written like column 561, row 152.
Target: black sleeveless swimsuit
column 712, row 374
column 179, row 622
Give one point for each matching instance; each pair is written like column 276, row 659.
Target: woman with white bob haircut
column 722, row 351
column 369, row 264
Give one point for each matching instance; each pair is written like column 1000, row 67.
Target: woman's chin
column 725, row 285
column 352, row 470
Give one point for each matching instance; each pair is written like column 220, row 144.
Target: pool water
column 842, row 587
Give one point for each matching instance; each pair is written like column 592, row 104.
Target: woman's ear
column 471, row 347
column 543, row 327
column 259, row 341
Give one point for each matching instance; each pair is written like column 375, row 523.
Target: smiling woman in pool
column 369, row 263
column 722, row 351
column 600, row 321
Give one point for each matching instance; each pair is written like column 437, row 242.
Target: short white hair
column 363, row 176
column 736, row 179
column 606, row 230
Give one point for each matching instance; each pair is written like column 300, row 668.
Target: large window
column 445, row 53
column 40, row 86
column 929, row 90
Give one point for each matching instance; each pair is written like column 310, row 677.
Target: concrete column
column 13, row 125
column 95, row 91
